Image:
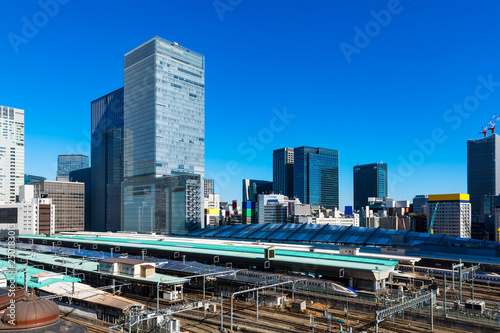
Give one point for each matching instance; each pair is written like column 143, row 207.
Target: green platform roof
column 320, row 259
column 88, row 266
column 20, row 278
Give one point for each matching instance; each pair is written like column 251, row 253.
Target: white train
column 302, row 282
column 439, row 272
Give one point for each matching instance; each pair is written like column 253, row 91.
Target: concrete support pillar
column 351, row 283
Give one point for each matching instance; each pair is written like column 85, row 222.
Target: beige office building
column 69, row 201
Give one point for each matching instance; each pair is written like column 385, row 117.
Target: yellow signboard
column 449, row 197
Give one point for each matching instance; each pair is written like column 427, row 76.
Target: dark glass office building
column 483, row 170
column 107, row 161
column 316, row 176
column 84, row 176
column 252, row 187
column 283, row 171
column 370, row 180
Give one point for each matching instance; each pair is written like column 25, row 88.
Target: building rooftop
column 89, row 294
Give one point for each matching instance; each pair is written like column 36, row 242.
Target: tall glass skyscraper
column 68, row 163
column 370, row 180
column 164, row 131
column 164, row 110
column 283, row 171
column 107, row 161
column 316, row 176
column 483, row 170
column 11, row 153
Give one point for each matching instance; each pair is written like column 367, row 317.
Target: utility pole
column 328, row 317
column 432, row 312
column 460, row 281
column 444, row 291
column 473, row 273
column 454, row 267
column 257, row 306
column 221, row 312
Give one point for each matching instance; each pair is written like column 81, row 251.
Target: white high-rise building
column 451, row 213
column 11, row 153
column 31, row 216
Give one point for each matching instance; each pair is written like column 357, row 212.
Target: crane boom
column 489, row 126
column 431, row 225
column 492, row 126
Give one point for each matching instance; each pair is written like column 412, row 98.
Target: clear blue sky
column 371, row 95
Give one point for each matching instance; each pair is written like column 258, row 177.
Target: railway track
column 271, row 320
column 93, row 328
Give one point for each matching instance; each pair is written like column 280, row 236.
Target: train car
column 439, row 272
column 303, row 282
column 320, row 286
column 397, row 274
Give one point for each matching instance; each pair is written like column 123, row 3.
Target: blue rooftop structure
column 347, row 236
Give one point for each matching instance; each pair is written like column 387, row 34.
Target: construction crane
column 492, row 126
column 431, row 225
column 487, row 127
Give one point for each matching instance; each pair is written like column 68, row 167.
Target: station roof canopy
column 197, row 246
column 339, row 235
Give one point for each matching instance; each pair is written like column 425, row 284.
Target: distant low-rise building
column 419, row 203
column 272, row 208
column 212, row 210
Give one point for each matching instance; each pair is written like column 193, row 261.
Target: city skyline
column 385, row 93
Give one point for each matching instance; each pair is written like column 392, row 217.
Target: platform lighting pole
column 204, row 308
column 432, row 312
column 473, row 273
column 73, row 281
column 257, row 307
column 158, row 295
column 221, row 312
column 444, row 291
column 460, row 281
